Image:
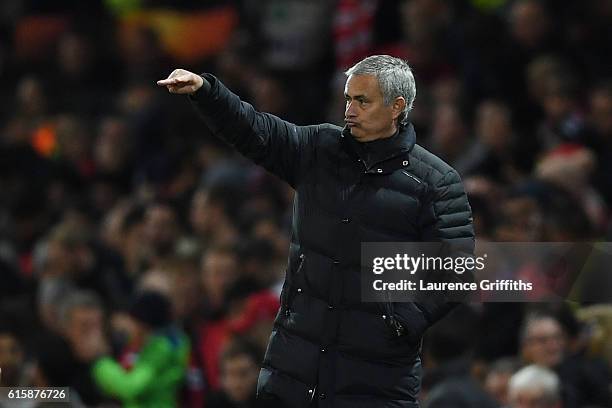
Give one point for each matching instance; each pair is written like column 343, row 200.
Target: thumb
column 184, row 79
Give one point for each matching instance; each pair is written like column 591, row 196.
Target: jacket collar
column 381, row 150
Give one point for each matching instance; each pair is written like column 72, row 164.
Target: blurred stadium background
column 111, row 189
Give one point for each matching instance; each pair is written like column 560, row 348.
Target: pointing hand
column 181, row 81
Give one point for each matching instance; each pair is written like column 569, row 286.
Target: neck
column 390, row 132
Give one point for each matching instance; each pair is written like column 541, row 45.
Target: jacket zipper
column 412, row 177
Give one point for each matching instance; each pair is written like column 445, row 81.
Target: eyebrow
column 355, row 97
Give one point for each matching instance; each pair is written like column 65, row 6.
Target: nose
column 349, row 112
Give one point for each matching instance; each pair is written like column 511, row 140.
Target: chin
column 357, row 134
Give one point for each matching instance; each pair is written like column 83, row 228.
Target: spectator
column 582, row 381
column 449, row 137
column 71, row 254
column 449, row 366
column 219, row 269
column 209, row 218
column 255, row 319
column 53, row 368
column 111, row 161
column 570, row 167
column 161, row 232
column 542, row 340
column 492, row 154
column 159, row 369
column 122, row 232
column 81, row 319
column 534, row 387
column 498, row 379
column 256, row 256
column 239, row 371
column 563, row 121
column 600, row 122
column 12, row 358
column 216, row 330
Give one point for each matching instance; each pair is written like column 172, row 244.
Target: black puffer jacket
column 326, row 344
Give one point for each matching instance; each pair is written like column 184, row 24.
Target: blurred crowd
column 141, row 259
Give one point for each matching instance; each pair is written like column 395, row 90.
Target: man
column 542, row 340
column 158, row 371
column 534, row 387
column 584, row 381
column 239, row 364
column 12, row 357
column 81, row 318
column 368, row 182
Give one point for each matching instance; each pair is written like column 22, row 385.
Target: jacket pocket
column 281, row 390
column 406, row 319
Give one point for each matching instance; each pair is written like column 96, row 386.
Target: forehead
column 238, row 363
column 544, row 325
column 85, row 313
column 528, row 395
column 601, row 100
column 7, row 340
column 362, row 85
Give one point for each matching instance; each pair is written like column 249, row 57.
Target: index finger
column 178, row 80
column 169, row 81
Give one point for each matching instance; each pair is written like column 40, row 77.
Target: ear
column 398, row 106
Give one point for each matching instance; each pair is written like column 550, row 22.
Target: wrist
column 204, row 87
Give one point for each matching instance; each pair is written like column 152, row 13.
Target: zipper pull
column 399, row 329
column 312, row 392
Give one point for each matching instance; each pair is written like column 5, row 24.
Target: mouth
column 350, row 123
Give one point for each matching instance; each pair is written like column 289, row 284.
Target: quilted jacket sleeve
column 448, row 220
column 279, row 146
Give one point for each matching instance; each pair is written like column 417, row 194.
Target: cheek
column 378, row 117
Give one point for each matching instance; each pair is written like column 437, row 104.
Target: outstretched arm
column 114, row 380
column 281, row 147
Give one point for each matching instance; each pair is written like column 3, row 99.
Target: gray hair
column 76, row 299
column 394, row 79
column 536, row 378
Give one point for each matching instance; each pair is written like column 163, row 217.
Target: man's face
column 522, row 220
column 496, row 384
column 239, row 377
column 529, row 23
column 11, row 359
column 160, row 228
column 84, row 321
column 544, row 343
column 218, row 271
column 601, row 113
column 532, row 398
column 82, row 324
column 366, row 114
